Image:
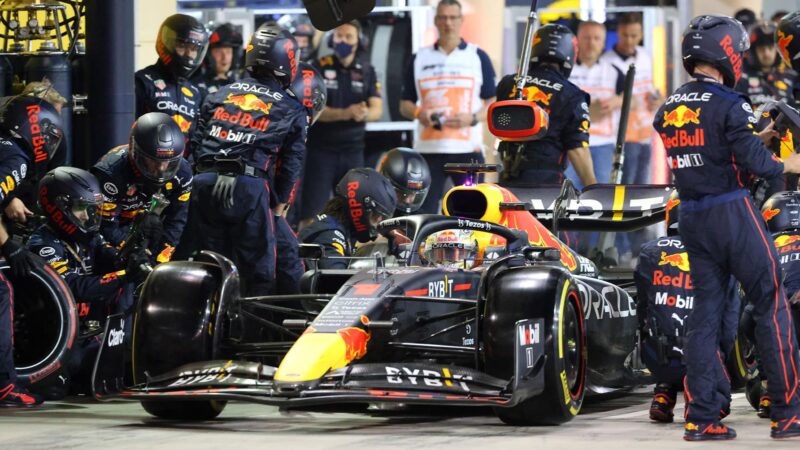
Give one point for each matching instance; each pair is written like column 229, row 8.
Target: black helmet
column 717, row 40
column 274, row 49
column 180, row 30
column 555, row 43
column 782, row 211
column 673, row 213
column 408, row 172
column 298, row 25
column 746, row 16
column 71, row 199
column 787, row 39
column 367, row 194
column 36, row 123
column 309, row 87
column 156, row 147
column 225, row 35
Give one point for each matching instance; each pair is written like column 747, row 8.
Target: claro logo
column 356, row 208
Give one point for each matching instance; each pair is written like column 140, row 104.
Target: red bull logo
column 679, row 260
column 248, row 102
column 682, row 280
column 681, row 116
column 784, row 240
column 38, row 141
column 55, row 214
column 183, row 124
column 783, row 45
column 289, row 46
column 536, row 95
column 769, row 213
column 355, row 342
column 241, row 118
column 356, row 209
column 734, row 56
column 308, row 80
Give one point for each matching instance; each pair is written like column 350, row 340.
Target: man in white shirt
column 448, row 88
column 647, row 99
column 604, row 83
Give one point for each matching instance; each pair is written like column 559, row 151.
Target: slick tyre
column 45, row 330
column 554, row 297
column 172, row 327
column 741, row 363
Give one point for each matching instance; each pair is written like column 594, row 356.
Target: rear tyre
column 174, row 325
column 741, row 363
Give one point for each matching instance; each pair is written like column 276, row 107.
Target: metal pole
column 525, row 56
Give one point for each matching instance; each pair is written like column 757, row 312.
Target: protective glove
column 151, row 227
column 21, row 260
column 223, row 190
column 138, row 266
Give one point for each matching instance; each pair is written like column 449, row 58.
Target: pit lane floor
column 619, row 422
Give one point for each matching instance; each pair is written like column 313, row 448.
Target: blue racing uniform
column 251, row 125
column 125, row 197
column 335, row 239
column 712, row 150
column 664, row 301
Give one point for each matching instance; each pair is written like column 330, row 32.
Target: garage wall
column 148, row 17
column 728, row 7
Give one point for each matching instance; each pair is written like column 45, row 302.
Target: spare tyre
column 45, row 329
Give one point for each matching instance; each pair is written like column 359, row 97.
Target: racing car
column 528, row 333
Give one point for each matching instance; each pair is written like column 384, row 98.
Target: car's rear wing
column 600, row 207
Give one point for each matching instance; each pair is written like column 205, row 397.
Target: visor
column 453, row 255
column 157, row 170
column 85, row 214
column 52, row 137
column 409, row 200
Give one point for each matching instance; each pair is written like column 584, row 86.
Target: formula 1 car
column 528, row 333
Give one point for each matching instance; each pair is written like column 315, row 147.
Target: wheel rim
column 573, row 348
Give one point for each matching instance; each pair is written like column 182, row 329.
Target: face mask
column 343, row 49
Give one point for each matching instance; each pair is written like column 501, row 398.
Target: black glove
column 21, row 260
column 223, row 190
column 138, row 266
column 151, row 227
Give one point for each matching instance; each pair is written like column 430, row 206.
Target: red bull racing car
column 529, row 330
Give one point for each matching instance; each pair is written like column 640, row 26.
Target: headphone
column 362, row 44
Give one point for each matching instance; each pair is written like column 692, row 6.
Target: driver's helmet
column 454, row 249
column 781, row 212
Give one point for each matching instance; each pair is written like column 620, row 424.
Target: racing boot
column 663, row 403
column 786, row 428
column 710, row 431
column 13, row 396
column 764, row 407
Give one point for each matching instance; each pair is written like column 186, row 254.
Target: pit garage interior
column 90, row 49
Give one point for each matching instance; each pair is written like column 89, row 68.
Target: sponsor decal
column 682, row 280
column 684, row 161
column 769, row 213
column 356, row 208
column 681, row 116
column 290, row 48
column 183, row 124
column 674, row 301
column 248, row 102
column 679, row 260
column 187, row 92
column 783, row 42
column 116, row 337
column 440, row 288
column 256, row 89
column 163, row 94
column 542, row 82
column 308, row 79
column 169, row 105
column 37, row 140
column 47, row 251
column 242, row 119
column 218, row 374
column 689, row 97
column 734, row 57
column 466, row 223
column 111, row 188
column 608, row 303
column 529, row 334
column 55, row 215
column 683, row 138
column 355, row 342
column 231, row 136
column 160, row 84
column 426, row 377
